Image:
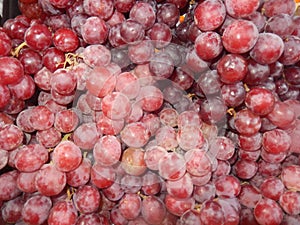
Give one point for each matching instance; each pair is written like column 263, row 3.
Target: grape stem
column 231, row 111
column 17, row 50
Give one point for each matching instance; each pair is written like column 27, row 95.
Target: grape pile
column 150, row 112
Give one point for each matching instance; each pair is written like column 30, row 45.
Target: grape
column 26, row 181
column 101, row 176
column 8, row 185
column 178, row 206
column 169, row 117
column 87, row 199
column 31, row 157
column 273, row 7
column 271, row 157
column 86, row 135
column 81, row 175
column 240, row 36
column 260, row 101
column 6, row 44
column 267, row 211
column 116, row 106
column 151, row 183
column 222, row 148
column 100, row 82
column 11, row 71
column 135, row 134
column 92, row 219
column 195, row 63
column 183, row 77
column 132, row 31
column 268, row 48
column 190, row 137
column 291, row 75
column 190, row 217
column 290, row 45
column 108, row 126
column 204, row 192
column 138, row 221
column 290, row 202
column 23, row 90
column 232, row 68
column 36, row 209
column 63, row 82
column 66, row 156
column 131, row 183
column 227, row 186
column 11, row 137
column 233, row 94
column 197, row 162
column 91, row 35
column 181, row 188
column 12, row 210
column 124, row 6
column 284, row 21
column 257, row 73
column 63, row 212
column 290, row 177
column 4, row 158
column 246, row 122
column 117, row 218
column 160, row 34
column 130, row 206
column 172, row 166
column 272, row 188
column 133, row 161
column 153, row 210
column 161, row 65
column 165, row 137
column 65, row 39
column 211, row 213
column 241, row 9
column 53, row 59
column 38, row 37
column 50, row 181
column 144, row 13
column 209, row 15
column 31, row 60
column 107, row 150
column 4, row 95
column 168, row 13
column 102, row 9
column 245, row 169
column 41, row 118
column 249, row 155
column 276, row 141
column 231, row 213
column 153, row 155
column 208, row 45
column 249, row 195
column 42, row 79
column 114, row 192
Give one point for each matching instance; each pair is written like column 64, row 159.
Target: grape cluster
column 150, row 112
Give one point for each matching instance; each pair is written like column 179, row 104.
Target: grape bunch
column 150, row 112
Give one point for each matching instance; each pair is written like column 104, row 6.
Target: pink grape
column 63, row 210
column 49, row 181
column 36, row 209
column 31, row 157
column 107, row 150
column 87, row 199
column 66, row 156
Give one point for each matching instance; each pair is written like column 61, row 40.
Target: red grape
column 240, row 36
column 210, row 14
